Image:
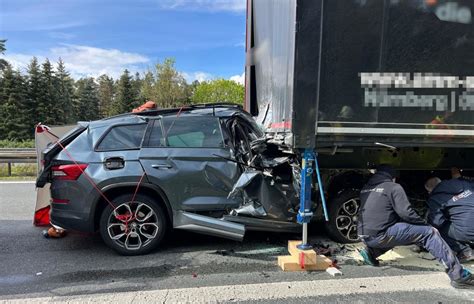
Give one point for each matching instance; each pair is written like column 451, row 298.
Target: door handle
column 161, row 166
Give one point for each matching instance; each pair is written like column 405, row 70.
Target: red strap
column 302, row 260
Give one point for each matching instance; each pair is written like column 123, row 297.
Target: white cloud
column 20, row 61
column 203, row 76
column 84, row 61
column 205, row 5
column 61, row 35
column 240, row 79
column 199, row 76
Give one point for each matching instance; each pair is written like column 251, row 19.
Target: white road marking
column 17, row 182
column 262, row 291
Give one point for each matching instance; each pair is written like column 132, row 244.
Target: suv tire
column 343, row 209
column 133, row 228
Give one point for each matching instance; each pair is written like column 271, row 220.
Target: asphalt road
column 190, row 268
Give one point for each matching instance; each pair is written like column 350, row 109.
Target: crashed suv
column 207, row 169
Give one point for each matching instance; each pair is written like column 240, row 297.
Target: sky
column 93, row 37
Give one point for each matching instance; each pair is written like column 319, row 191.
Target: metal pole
column 305, row 234
column 305, row 213
column 321, row 191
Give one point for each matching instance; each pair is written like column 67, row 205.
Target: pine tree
column 87, row 98
column 124, row 98
column 65, row 93
column 49, row 111
column 136, row 86
column 13, row 125
column 34, row 92
column 3, row 62
column 106, row 95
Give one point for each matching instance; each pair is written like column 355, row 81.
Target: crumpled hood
column 451, row 187
column 378, row 178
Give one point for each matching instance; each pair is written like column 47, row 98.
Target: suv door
column 187, row 158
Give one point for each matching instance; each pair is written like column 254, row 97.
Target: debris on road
column 54, row 233
column 334, row 271
column 224, row 252
column 264, row 274
column 323, row 249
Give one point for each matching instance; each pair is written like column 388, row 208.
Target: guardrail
column 17, row 155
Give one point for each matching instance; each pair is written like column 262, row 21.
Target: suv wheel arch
column 114, row 190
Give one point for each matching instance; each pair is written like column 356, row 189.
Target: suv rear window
column 123, row 137
column 193, row 132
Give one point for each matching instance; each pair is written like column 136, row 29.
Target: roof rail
column 215, row 104
column 183, row 108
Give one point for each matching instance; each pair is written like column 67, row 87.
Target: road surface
column 191, row 268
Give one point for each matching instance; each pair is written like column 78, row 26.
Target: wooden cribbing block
column 302, row 260
column 309, row 255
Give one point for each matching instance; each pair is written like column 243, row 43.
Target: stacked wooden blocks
column 302, row 260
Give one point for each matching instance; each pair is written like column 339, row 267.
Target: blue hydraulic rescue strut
column 305, row 214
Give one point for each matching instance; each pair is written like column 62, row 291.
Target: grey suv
column 135, row 176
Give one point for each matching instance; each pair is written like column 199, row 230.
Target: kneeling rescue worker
column 386, row 219
column 451, row 211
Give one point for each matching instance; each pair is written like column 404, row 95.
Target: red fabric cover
column 149, row 105
column 42, row 217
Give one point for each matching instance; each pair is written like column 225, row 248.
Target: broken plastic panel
column 263, row 197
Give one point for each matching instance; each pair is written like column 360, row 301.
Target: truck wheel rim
column 346, row 219
column 133, row 225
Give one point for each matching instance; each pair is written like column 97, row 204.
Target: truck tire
column 133, row 228
column 343, row 209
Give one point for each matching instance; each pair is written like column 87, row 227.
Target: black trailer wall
column 397, row 70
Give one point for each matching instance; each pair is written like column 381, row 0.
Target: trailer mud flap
column 208, row 225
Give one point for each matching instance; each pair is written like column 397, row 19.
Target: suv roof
column 217, row 109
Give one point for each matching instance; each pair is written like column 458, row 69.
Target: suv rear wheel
column 133, row 228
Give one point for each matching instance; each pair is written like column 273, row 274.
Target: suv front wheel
column 133, row 227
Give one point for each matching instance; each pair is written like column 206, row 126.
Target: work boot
column 54, row 233
column 465, row 258
column 368, row 257
column 465, row 282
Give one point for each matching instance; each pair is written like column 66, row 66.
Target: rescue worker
column 451, row 211
column 456, row 173
column 386, row 219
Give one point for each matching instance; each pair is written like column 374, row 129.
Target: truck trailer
column 364, row 82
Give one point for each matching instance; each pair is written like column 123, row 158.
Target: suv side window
column 193, row 132
column 125, row 137
column 155, row 137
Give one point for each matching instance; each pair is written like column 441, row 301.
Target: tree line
column 48, row 94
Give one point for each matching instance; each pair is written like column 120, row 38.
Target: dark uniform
column 386, row 219
column 451, row 210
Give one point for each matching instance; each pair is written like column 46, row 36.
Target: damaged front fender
column 263, row 197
